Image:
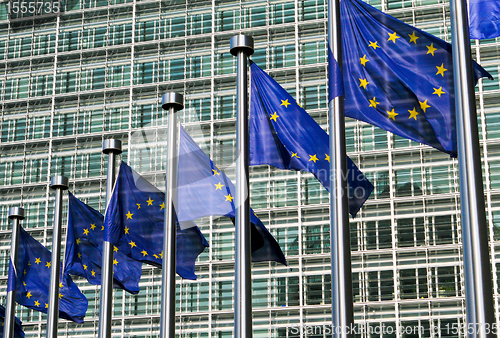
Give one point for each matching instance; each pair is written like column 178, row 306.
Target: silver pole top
column 112, row 146
column 16, row 212
column 59, row 182
column 172, row 99
column 239, row 42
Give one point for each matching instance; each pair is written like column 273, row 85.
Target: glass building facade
column 97, row 70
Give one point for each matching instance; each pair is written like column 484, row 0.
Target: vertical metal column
column 242, row 47
column 172, row 102
column 479, row 290
column 112, row 148
column 59, row 184
column 16, row 214
column 340, row 242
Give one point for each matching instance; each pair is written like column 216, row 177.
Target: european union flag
column 18, row 329
column 484, row 19
column 134, row 223
column 204, row 190
column 284, row 135
column 32, row 280
column 84, row 241
column 398, row 77
column 336, row 86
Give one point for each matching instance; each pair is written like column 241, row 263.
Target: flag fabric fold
column 398, row 78
column 84, row 245
column 284, row 135
column 134, row 223
column 484, row 19
column 32, row 281
column 18, row 329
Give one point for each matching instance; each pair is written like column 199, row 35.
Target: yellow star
column 93, row 273
column 162, row 206
column 85, row 231
column 37, row 303
column 363, row 83
column 138, row 206
column 215, row 172
column 28, row 295
column 132, row 244
column 144, row 253
column 295, row 155
column 115, row 249
column 413, row 113
column 228, row 198
column 37, row 261
column 441, row 70
column 129, row 215
column 102, row 228
column 393, row 37
column 78, row 241
column 218, row 186
column 126, row 230
column 60, row 285
column 274, row 117
column 115, row 262
column 60, row 296
column 92, row 226
column 424, row 105
column 438, row 91
column 374, row 45
column 373, row 103
column 48, row 264
column 327, row 157
column 431, row 49
column 285, row 103
column 150, row 201
column 161, row 255
column 25, row 271
column 363, row 60
column 85, row 267
column 156, row 256
column 392, row 114
column 24, row 283
column 413, row 38
column 46, row 305
column 79, row 255
column 29, row 263
column 313, row 158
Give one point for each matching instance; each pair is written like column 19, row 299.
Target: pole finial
column 112, row 146
column 16, row 212
column 172, row 99
column 59, row 182
column 239, row 42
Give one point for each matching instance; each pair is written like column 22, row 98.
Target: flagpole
column 342, row 300
column 478, row 278
column 16, row 214
column 112, row 148
column 242, row 47
column 59, row 184
column 172, row 102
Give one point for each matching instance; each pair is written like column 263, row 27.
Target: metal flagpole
column 478, row 279
column 59, row 184
column 112, row 148
column 172, row 102
column 16, row 214
column 342, row 300
column 242, row 47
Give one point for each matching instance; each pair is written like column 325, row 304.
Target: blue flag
column 18, row 329
column 484, row 19
column 32, row 280
column 134, row 223
column 398, row 77
column 335, row 84
column 204, row 190
column 84, row 245
column 284, row 135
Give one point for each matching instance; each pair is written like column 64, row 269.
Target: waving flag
column 398, row 77
column 18, row 329
column 84, row 249
column 484, row 19
column 283, row 135
column 32, row 281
